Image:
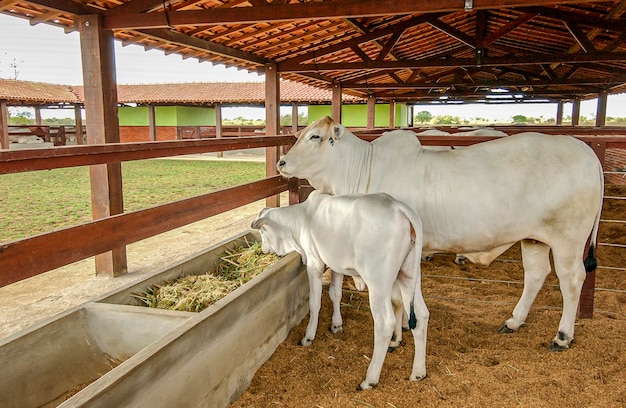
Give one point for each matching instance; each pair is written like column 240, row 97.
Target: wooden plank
column 32, row 256
column 71, row 156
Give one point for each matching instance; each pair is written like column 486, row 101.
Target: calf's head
column 276, row 236
column 313, row 151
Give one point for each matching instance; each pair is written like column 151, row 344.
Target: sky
column 44, row 53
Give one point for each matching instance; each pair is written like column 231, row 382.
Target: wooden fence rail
column 34, row 255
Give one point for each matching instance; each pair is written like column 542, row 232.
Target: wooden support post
column 152, row 123
column 38, row 115
column 392, row 114
column 576, row 112
column 294, row 191
column 98, row 59
column 218, row 125
column 78, row 124
column 4, row 125
column 294, row 118
column 585, row 304
column 559, row 113
column 272, row 121
column 371, row 112
column 336, row 103
column 601, row 110
column 410, row 115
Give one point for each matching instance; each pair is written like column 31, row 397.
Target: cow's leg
column 314, row 273
column 536, row 262
column 334, row 291
column 384, row 322
column 571, row 272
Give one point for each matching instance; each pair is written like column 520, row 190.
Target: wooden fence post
column 585, row 305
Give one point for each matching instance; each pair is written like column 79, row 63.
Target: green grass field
column 41, row 201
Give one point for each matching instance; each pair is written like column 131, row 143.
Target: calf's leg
column 334, row 291
column 315, row 302
column 384, row 322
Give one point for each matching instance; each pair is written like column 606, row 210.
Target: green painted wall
column 356, row 115
column 167, row 116
column 130, row 116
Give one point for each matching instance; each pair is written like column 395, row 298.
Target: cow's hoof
column 460, row 260
column 556, row 347
column 335, row 329
column 506, row 329
column 417, row 377
column 365, row 386
column 306, row 341
column 560, row 343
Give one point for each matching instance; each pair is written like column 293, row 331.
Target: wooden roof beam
column 453, row 32
column 529, row 59
column 192, row 42
column 580, row 37
column 372, row 36
column 65, row 6
column 507, row 28
column 339, row 9
column 478, row 83
column 391, row 42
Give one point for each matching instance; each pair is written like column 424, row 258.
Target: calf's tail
column 417, row 240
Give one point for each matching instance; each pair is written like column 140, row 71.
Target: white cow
column 545, row 191
column 371, row 236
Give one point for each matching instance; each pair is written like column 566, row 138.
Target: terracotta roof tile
column 24, row 92
column 193, row 93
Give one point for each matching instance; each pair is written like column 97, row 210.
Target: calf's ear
column 258, row 223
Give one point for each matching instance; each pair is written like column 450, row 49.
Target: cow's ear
column 338, row 131
column 298, row 133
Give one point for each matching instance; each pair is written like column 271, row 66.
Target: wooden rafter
column 339, row 9
column 436, row 62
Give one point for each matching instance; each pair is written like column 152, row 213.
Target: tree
column 423, row 116
column 520, row 119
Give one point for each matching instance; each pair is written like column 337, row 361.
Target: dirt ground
column 469, row 364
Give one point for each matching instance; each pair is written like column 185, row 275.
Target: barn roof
column 194, row 93
column 405, row 50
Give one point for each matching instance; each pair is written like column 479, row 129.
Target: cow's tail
column 417, row 241
column 590, row 261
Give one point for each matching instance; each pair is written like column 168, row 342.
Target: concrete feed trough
column 133, row 356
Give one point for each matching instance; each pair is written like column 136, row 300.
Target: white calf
column 372, row 236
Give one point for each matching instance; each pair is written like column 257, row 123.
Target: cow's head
column 276, row 238
column 313, row 152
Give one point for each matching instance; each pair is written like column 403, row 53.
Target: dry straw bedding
column 194, row 293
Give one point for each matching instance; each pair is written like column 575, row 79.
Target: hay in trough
column 194, row 293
